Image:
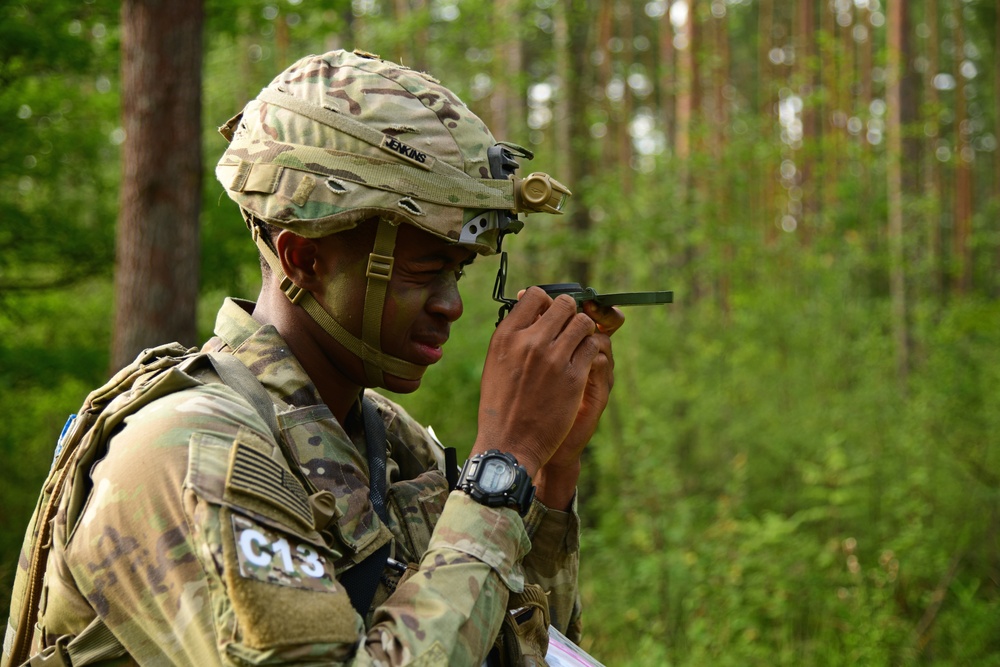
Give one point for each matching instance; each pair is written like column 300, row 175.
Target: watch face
column 497, row 475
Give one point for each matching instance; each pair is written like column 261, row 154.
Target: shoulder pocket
column 249, row 475
column 280, row 598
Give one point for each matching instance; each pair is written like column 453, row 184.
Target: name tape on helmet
column 408, row 153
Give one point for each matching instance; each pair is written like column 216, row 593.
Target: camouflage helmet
column 344, row 137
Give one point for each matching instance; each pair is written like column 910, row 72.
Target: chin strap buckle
column 291, row 290
column 380, row 266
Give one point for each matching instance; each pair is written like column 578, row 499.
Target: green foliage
column 58, row 108
column 781, row 500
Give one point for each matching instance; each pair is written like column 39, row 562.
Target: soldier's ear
column 299, row 259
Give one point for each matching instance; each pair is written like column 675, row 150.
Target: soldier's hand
column 608, row 318
column 556, row 481
column 537, row 372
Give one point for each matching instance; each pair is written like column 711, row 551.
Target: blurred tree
column 964, row 156
column 507, row 103
column 156, row 282
column 805, row 78
column 897, row 57
column 933, row 176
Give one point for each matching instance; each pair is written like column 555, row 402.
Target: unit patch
column 275, row 558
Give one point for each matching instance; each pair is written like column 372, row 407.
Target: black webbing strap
column 238, row 377
column 361, row 581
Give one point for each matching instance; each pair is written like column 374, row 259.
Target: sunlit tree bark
column 156, row 279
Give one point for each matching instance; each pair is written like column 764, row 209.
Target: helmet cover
column 342, row 137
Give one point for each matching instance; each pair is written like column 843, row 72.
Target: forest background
column 800, row 464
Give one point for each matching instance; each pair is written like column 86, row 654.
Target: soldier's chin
column 399, row 385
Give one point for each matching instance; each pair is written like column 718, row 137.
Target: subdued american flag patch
column 256, row 474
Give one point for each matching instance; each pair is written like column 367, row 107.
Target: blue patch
column 62, row 437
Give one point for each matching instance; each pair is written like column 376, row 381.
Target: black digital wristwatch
column 495, row 479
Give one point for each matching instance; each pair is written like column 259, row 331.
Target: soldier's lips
column 428, row 350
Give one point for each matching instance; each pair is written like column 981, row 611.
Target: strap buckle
column 52, row 656
column 380, row 266
column 291, row 290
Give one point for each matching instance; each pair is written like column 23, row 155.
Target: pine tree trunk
column 624, row 119
column 996, row 153
column 666, row 78
column 766, row 186
column 572, row 19
column 894, row 172
column 722, row 186
column 933, row 179
column 805, row 37
column 605, row 68
column 685, row 89
column 963, row 166
column 156, row 279
column 832, row 115
column 508, row 98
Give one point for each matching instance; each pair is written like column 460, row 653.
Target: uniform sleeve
column 554, row 563
column 452, row 607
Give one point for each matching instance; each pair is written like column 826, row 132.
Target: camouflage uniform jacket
column 198, row 546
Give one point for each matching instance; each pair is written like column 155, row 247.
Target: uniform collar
column 262, row 349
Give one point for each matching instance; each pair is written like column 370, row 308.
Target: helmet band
column 408, row 171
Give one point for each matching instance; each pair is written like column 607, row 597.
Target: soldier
column 211, row 533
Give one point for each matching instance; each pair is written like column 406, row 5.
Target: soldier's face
column 422, row 299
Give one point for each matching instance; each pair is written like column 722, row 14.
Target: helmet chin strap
column 369, row 346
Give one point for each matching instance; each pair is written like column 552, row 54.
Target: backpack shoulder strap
column 241, row 379
column 361, row 581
